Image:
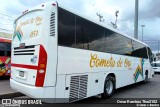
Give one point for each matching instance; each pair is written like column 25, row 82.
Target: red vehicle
column 5, row 57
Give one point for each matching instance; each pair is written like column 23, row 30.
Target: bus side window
column 66, row 27
column 139, row 50
column 150, row 55
column 8, row 49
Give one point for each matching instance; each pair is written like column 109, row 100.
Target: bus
column 5, row 57
column 65, row 56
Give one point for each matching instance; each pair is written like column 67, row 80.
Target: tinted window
column 75, row 31
column 117, row 44
column 66, row 28
column 2, row 49
column 5, row 49
column 8, row 47
column 128, row 47
column 82, row 32
column 97, row 37
column 151, row 57
column 139, row 50
column 89, row 35
column 110, row 44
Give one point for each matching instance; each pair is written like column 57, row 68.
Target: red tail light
column 41, row 72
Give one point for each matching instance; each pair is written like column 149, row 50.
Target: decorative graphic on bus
column 19, row 34
column 37, row 21
column 5, row 66
column 139, row 70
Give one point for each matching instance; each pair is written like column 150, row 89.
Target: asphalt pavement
column 6, row 91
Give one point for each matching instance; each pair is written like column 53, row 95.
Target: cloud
column 151, row 11
column 30, row 3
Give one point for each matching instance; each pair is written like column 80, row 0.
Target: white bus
column 60, row 54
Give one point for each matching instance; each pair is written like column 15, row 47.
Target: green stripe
column 19, row 36
column 7, row 61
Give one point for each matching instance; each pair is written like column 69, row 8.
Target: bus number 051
column 34, row 33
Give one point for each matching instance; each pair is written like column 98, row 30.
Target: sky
column 149, row 15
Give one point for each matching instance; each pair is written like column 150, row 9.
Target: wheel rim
column 109, row 87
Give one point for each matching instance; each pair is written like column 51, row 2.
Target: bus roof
column 5, row 40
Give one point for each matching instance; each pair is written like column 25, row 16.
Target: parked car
column 156, row 66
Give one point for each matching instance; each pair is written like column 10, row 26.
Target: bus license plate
column 21, row 73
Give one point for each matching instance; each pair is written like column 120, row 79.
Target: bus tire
column 109, row 87
column 146, row 77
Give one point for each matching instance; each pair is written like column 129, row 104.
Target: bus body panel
column 96, row 84
column 21, row 54
column 71, row 60
column 33, row 92
column 35, row 37
column 51, row 39
column 124, row 68
column 29, row 77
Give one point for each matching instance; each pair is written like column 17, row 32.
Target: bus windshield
column 5, row 49
column 28, row 26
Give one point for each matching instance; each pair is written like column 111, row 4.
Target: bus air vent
column 78, row 87
column 27, row 50
column 52, row 24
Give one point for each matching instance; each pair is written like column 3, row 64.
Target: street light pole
column 136, row 19
column 142, row 31
column 158, row 47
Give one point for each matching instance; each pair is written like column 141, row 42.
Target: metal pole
column 142, row 34
column 158, row 46
column 136, row 20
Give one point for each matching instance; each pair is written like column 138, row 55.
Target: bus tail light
column 41, row 67
column 41, row 71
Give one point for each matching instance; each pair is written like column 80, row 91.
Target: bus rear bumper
column 31, row 91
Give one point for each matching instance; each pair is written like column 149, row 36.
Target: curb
column 11, row 95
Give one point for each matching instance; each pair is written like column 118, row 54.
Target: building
column 5, row 35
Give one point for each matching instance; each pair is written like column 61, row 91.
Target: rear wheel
column 146, row 77
column 109, row 87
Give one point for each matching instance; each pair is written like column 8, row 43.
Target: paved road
column 151, row 89
column 5, row 87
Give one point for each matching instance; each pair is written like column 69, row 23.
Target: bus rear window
column 28, row 26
